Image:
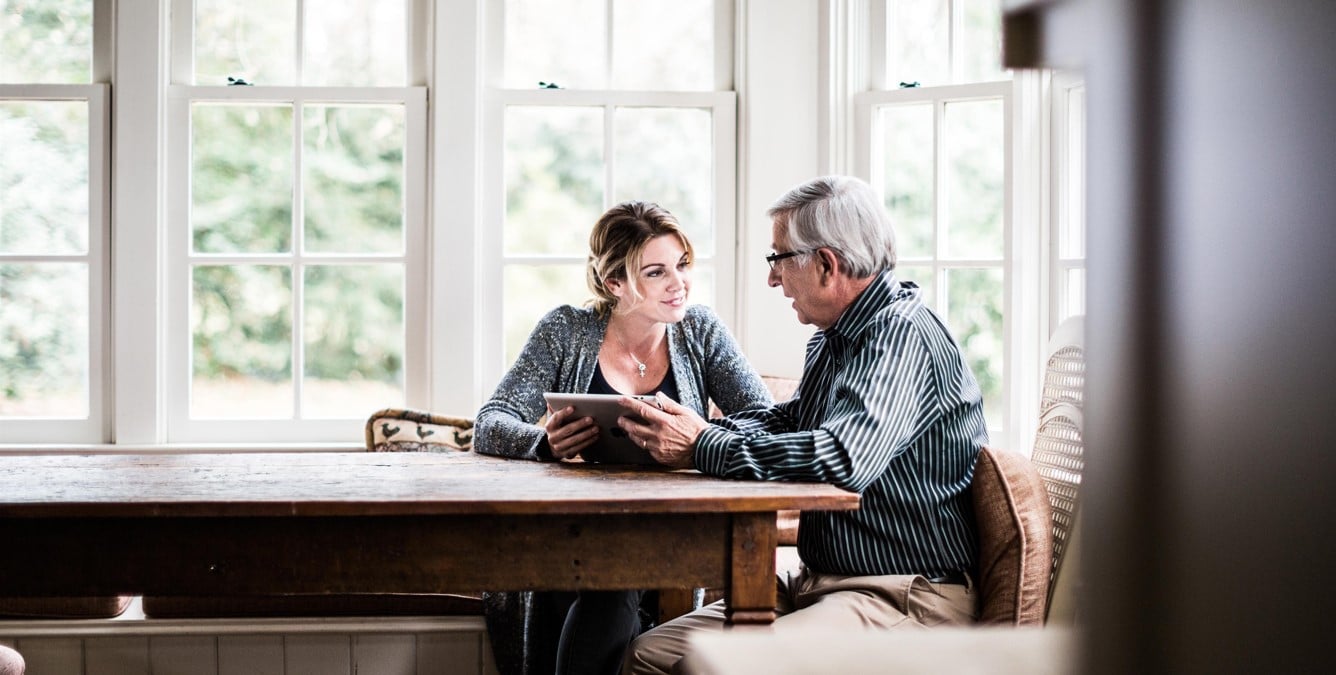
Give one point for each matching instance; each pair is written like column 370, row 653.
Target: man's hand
column 669, row 432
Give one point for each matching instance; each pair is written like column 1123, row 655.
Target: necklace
column 640, row 365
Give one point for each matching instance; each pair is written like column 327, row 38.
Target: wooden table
column 225, row 524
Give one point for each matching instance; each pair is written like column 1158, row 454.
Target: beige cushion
column 1015, row 539
column 91, row 607
column 944, row 649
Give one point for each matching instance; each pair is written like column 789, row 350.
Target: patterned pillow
column 401, row 430
column 1015, row 539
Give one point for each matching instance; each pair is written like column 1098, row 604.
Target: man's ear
column 829, row 262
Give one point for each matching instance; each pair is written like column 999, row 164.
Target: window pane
column 923, row 276
column 354, row 340
column 554, row 179
column 255, row 40
column 43, row 177
column 663, row 44
column 702, row 291
column 46, row 42
column 241, row 183
column 355, row 42
column 1072, row 234
column 918, row 43
column 562, row 42
column 974, row 313
column 975, row 179
column 677, row 174
column 907, row 177
column 44, row 340
column 354, row 164
column 241, row 328
column 530, row 291
column 1074, row 294
column 981, row 41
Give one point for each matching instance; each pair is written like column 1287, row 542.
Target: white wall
column 778, row 148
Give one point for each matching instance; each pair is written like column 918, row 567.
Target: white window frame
column 91, row 428
column 180, row 428
column 96, row 426
column 867, row 106
column 1064, row 86
column 722, row 105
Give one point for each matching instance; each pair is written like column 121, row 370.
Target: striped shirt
column 887, row 407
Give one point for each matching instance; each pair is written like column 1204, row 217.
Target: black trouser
column 587, row 631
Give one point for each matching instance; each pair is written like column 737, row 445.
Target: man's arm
column 878, row 402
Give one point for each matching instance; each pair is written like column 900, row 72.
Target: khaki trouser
column 811, row 601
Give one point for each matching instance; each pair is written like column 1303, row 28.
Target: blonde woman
column 638, row 336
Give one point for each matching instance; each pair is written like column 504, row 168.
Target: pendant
column 641, row 368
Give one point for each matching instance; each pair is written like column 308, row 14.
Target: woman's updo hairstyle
column 617, row 242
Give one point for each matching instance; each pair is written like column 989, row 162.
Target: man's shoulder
column 902, row 310
column 908, row 318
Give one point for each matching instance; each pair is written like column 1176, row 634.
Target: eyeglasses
column 775, row 258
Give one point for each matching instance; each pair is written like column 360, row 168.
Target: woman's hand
column 669, row 432
column 568, row 435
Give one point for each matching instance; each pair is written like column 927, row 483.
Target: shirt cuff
column 712, row 450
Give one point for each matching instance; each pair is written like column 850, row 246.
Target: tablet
column 613, row 445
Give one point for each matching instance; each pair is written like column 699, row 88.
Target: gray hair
column 841, row 213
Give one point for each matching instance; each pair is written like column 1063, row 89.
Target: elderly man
column 887, row 407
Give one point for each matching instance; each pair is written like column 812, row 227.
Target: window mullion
column 609, row 8
column 609, row 170
column 137, row 322
column 298, row 261
column 939, row 212
column 299, row 46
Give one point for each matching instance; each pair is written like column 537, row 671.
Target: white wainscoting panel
column 379, row 646
column 318, row 654
column 385, row 654
column 54, row 656
column 183, row 655
column 115, row 656
column 250, row 654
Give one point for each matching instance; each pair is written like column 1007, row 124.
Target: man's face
column 800, row 282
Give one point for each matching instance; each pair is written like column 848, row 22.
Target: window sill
column 172, row 448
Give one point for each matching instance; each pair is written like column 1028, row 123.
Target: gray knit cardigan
column 561, row 355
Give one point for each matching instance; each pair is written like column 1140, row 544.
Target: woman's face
column 664, row 280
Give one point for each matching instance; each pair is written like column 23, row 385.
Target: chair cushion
column 313, row 605
column 90, row 607
column 400, row 430
column 1015, row 539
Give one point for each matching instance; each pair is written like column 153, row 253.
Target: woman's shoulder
column 566, row 319
column 701, row 316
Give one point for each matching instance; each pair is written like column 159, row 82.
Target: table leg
column 751, row 575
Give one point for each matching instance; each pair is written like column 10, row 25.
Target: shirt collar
column 859, row 314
